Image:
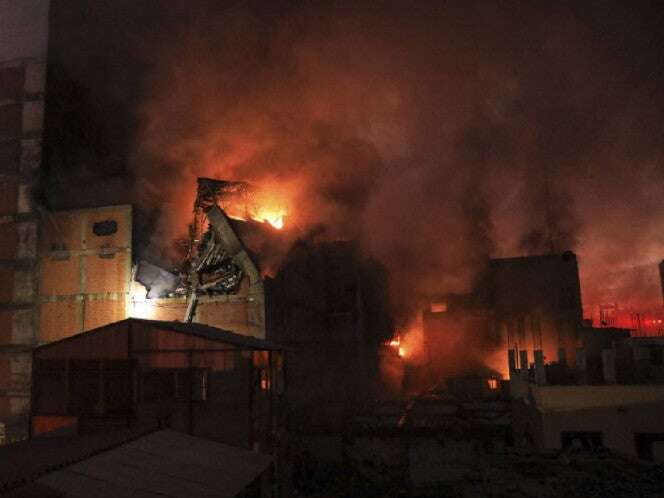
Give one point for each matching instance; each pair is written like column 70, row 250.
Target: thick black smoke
column 437, row 133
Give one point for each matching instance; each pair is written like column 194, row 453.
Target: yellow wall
column 84, row 278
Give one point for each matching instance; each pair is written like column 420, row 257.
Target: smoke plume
column 436, row 133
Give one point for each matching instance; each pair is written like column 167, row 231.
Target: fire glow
column 395, row 343
column 263, row 207
column 274, row 218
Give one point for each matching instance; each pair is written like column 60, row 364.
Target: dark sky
column 437, row 133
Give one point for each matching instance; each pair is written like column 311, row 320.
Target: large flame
column 274, row 218
column 266, row 206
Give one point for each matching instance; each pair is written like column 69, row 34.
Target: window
column 582, row 440
column 438, row 307
column 650, row 446
column 106, row 227
column 492, row 384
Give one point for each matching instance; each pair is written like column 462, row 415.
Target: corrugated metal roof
column 25, row 461
column 163, row 463
column 213, row 333
column 195, row 329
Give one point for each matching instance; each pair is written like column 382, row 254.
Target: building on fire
column 529, row 306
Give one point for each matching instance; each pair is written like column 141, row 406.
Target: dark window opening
column 106, row 227
column 646, row 442
column 582, row 440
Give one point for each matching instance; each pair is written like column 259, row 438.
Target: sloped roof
column 163, row 463
column 213, row 334
column 25, row 461
column 194, row 329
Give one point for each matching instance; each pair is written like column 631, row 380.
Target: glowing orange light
column 395, row 343
column 265, row 206
column 492, row 384
column 274, row 218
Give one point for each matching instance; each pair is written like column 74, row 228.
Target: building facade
column 23, row 50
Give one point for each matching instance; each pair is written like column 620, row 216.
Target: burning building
column 530, row 306
column 217, row 281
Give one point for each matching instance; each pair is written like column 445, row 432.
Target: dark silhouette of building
column 329, row 304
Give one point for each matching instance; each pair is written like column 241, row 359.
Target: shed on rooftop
column 192, row 377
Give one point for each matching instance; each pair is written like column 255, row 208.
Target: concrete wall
column 567, row 398
column 542, row 414
column 618, row 424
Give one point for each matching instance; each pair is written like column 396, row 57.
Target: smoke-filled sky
column 437, row 133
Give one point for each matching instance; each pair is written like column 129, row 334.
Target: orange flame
column 396, row 343
column 266, row 206
column 274, row 218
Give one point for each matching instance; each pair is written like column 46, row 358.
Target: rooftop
column 192, row 329
column 127, row 463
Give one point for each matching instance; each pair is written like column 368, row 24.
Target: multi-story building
column 528, row 305
column 23, row 50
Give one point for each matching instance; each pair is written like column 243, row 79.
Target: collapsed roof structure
column 217, row 269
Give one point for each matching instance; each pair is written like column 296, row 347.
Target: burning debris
column 215, row 261
column 240, row 201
